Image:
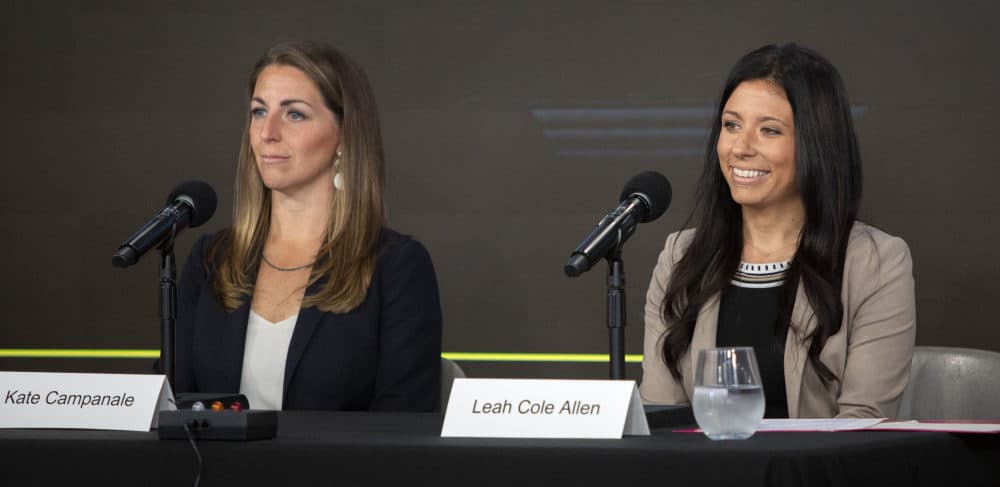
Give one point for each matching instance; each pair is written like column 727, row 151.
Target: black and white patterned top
column 760, row 275
column 748, row 313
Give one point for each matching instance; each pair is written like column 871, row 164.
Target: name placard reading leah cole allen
column 82, row 401
column 541, row 408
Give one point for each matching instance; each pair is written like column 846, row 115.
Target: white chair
column 449, row 372
column 952, row 383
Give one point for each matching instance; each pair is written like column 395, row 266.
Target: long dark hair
column 828, row 175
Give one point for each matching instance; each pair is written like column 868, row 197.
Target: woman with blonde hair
column 308, row 301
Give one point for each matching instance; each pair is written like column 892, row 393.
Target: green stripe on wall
column 76, row 353
column 535, row 357
column 93, row 353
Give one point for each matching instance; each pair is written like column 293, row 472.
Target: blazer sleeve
column 882, row 334
column 408, row 375
column 658, row 385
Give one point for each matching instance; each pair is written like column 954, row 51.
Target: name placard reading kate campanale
column 543, row 408
column 127, row 402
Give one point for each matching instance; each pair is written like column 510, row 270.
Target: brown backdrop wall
column 509, row 128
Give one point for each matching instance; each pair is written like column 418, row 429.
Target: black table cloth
column 405, row 449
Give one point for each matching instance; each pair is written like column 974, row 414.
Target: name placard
column 543, row 408
column 126, row 402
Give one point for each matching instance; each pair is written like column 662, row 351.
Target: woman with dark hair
column 308, row 301
column 776, row 259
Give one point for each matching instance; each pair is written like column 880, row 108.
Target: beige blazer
column 870, row 354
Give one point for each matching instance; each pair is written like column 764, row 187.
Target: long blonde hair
column 346, row 259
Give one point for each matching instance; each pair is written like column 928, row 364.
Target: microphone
column 190, row 204
column 645, row 197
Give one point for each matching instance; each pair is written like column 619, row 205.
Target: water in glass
column 728, row 413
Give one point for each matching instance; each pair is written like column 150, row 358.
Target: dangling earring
column 338, row 178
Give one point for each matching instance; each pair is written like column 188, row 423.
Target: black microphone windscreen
column 653, row 188
column 201, row 196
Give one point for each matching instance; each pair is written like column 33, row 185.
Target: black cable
column 197, row 477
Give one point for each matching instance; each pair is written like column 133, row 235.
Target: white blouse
column 264, row 356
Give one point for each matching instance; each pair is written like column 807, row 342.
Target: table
column 405, row 449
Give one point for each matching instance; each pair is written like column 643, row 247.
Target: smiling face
column 756, row 146
column 294, row 135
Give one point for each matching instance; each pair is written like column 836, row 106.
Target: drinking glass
column 728, row 398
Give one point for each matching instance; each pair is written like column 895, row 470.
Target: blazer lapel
column 234, row 339
column 704, row 337
column 796, row 350
column 232, row 343
column 304, row 327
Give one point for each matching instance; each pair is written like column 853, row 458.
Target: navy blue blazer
column 385, row 355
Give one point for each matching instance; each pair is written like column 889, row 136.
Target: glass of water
column 728, row 398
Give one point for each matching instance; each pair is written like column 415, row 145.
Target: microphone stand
column 616, row 310
column 168, row 305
